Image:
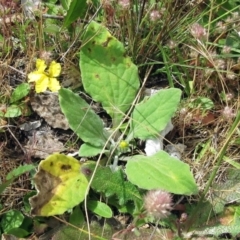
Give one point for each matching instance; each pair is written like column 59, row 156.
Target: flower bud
column 123, row 146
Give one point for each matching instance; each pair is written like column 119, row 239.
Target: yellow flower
column 123, row 146
column 45, row 79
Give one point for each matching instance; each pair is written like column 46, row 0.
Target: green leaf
column 27, row 223
column 20, row 92
column 203, row 103
column 26, row 203
column 231, row 226
column 82, row 233
column 18, row 232
column 112, row 183
column 11, row 219
column 65, row 3
column 19, row 171
column 227, row 191
column 161, row 171
column 4, row 185
column 82, row 119
column 77, row 217
column 87, row 150
column 14, row 174
column 51, row 29
column 129, row 207
column 99, row 208
column 13, row 111
column 76, row 10
column 152, row 115
column 108, row 75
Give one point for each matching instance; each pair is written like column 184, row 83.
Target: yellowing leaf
column 61, row 185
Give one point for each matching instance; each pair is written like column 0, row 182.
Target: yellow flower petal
column 54, row 69
column 42, row 84
column 35, row 76
column 53, row 84
column 40, row 65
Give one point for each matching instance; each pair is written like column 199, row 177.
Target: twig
column 16, row 140
column 13, row 68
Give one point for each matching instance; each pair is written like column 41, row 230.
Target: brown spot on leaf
column 66, row 167
column 45, row 184
column 97, row 76
column 105, row 44
column 86, row 171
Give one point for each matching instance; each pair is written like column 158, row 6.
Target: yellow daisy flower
column 45, row 79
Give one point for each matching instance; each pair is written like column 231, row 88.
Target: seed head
column 229, row 97
column 231, row 75
column 198, row 31
column 124, row 3
column 155, row 15
column 158, row 203
column 228, row 113
column 221, row 27
column 229, row 20
column 46, row 56
column 235, row 15
column 172, row 44
column 226, row 49
column 220, row 63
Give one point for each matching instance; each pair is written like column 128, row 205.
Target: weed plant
column 194, row 45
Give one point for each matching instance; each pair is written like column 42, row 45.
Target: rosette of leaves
column 111, row 79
